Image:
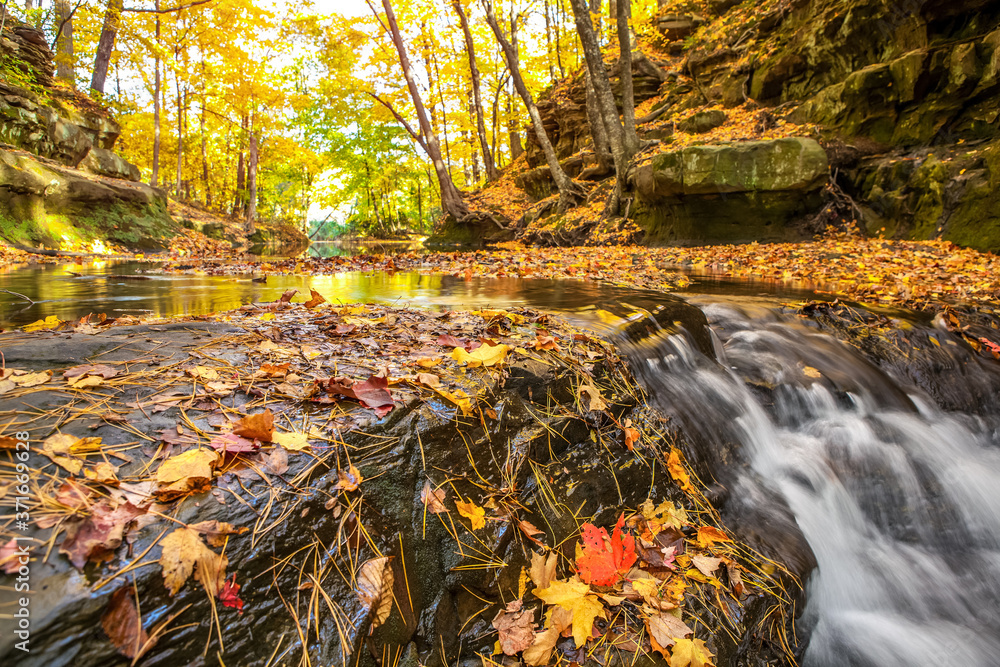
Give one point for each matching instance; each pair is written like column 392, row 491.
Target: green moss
column 18, row 231
column 147, row 226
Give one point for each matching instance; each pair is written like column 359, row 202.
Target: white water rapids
column 899, row 501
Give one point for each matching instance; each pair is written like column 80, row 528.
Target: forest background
column 285, row 111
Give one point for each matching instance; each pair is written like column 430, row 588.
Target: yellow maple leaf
column 691, row 653
column 50, row 322
column 484, row 355
column 574, row 596
column 294, row 442
column 472, row 512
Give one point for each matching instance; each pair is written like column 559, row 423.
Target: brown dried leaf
column 99, row 534
column 348, row 480
column 215, row 532
column 256, row 427
column 375, row 582
column 543, row 569
column 122, row 625
column 433, row 499
column 316, row 299
column 666, row 629
column 515, row 627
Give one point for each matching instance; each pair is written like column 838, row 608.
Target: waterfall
column 898, row 500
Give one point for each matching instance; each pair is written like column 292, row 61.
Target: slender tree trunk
column 548, row 43
column 605, row 98
column 491, row 170
column 451, row 198
column 204, row 156
column 154, row 181
column 252, row 183
column 567, row 189
column 444, row 107
column 106, row 45
column 240, row 207
column 598, row 132
column 562, row 70
column 180, row 132
column 64, row 42
column 631, row 139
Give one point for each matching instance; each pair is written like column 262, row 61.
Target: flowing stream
column 899, row 501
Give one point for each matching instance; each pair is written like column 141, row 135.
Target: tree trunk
column 154, row 181
column 624, row 9
column 598, row 132
column 605, row 99
column 106, row 45
column 491, row 170
column 240, row 205
column 180, row 132
column 567, row 189
column 64, row 43
column 451, row 198
column 252, row 184
column 548, row 43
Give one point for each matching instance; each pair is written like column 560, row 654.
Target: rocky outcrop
column 43, row 202
column 47, row 132
column 564, row 108
column 730, row 193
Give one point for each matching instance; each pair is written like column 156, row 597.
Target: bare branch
column 169, row 10
column 402, row 121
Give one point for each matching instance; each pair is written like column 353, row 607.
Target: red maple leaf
column 604, row 559
column 230, row 594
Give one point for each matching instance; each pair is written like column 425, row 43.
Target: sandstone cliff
column 61, row 184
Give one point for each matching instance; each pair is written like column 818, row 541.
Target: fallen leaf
column 184, row 552
column 294, row 442
column 433, row 499
column 677, row 471
column 230, row 443
column 123, row 626
column 540, row 651
column 632, row 436
column 709, row 535
column 547, row 343
column 459, row 398
column 591, row 397
column 690, row 653
column 315, row 300
column 215, row 532
column 348, row 480
column 472, row 512
column 543, row 569
column 429, row 380
column 665, row 515
column 31, row 379
column 256, row 427
column 64, row 449
column 515, row 627
column 230, row 594
column 188, row 472
column 811, row 372
column 484, row 355
column 10, row 557
column 286, row 297
column 102, row 473
column 86, row 382
column 372, row 393
column 374, row 589
column 98, row 535
column 99, row 370
column 50, row 322
column 574, row 596
column 666, row 629
column 603, row 560
column 706, row 564
column 275, row 461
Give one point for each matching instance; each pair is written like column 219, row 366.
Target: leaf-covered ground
column 292, row 383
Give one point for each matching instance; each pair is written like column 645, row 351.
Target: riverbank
column 325, row 471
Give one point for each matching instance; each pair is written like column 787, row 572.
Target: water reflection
column 363, row 247
column 116, row 288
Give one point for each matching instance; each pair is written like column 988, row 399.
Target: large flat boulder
column 730, row 193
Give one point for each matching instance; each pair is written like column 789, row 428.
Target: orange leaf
column 256, row 427
column 708, row 535
column 677, row 471
column 602, row 559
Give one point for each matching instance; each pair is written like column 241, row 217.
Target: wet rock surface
column 530, row 451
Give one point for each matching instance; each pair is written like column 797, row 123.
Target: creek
column 896, row 498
